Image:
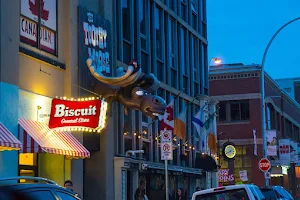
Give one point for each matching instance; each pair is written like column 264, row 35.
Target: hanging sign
column 89, row 114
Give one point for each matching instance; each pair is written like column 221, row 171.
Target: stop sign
column 264, row 165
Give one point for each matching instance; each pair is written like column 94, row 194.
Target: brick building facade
column 237, row 89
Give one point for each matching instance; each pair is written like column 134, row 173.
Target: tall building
column 291, row 86
column 44, row 48
column 237, row 89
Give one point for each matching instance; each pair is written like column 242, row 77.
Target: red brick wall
column 234, row 86
column 242, row 130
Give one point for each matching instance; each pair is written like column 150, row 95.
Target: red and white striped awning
column 37, row 137
column 7, row 140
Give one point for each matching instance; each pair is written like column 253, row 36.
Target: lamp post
column 216, row 60
column 219, row 135
column 263, row 108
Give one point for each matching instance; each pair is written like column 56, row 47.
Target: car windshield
column 269, row 194
column 237, row 194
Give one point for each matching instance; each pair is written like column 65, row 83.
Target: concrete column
column 119, row 179
column 9, row 107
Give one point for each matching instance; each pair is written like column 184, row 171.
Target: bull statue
column 131, row 88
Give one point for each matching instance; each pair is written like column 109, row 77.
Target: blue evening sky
column 239, row 30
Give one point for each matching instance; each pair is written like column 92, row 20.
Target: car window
column 287, row 194
column 65, row 196
column 41, row 195
column 259, row 193
column 282, row 192
column 269, row 194
column 256, row 192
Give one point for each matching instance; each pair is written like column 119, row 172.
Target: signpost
column 264, row 165
column 166, row 153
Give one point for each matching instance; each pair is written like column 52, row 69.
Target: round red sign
column 264, row 165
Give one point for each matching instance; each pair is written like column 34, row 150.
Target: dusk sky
column 238, row 32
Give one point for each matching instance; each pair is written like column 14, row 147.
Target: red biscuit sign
column 65, row 113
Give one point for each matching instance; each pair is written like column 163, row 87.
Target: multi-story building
column 44, row 47
column 291, row 86
column 237, row 89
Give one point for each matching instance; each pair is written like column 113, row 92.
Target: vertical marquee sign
column 93, row 41
column 38, row 19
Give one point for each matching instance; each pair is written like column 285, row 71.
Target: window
column 194, row 7
column 160, row 71
column 127, row 144
column 144, row 62
column 146, row 148
column 157, row 18
column 222, row 112
column 288, row 89
column 65, row 196
column 239, row 111
column 38, row 24
column 127, row 52
column 242, row 162
column 41, row 194
column 183, row 9
column 288, row 128
column 126, row 19
column 126, row 27
column 182, row 48
column 173, row 77
column 142, row 16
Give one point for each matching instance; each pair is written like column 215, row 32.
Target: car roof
column 33, row 186
column 229, row 187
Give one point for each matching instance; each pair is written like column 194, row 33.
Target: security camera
column 133, row 152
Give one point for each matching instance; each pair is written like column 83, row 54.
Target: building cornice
column 231, row 97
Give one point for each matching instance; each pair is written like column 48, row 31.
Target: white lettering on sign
column 75, row 121
column 62, row 111
column 95, row 36
column 96, row 39
column 264, row 165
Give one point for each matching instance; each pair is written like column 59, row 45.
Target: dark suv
column 37, row 189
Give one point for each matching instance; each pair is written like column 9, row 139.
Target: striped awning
column 37, row 137
column 7, row 140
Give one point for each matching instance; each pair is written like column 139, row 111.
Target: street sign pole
column 166, row 154
column 167, row 178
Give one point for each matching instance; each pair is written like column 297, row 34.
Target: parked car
column 276, row 192
column 232, row 192
column 37, row 189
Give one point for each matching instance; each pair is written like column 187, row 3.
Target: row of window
column 274, row 123
column 162, row 46
column 233, row 111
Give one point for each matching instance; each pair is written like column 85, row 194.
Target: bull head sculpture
column 131, row 88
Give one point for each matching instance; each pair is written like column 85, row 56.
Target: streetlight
column 263, row 107
column 216, row 60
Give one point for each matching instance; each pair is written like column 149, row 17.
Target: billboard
column 284, row 152
column 38, row 19
column 271, row 143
